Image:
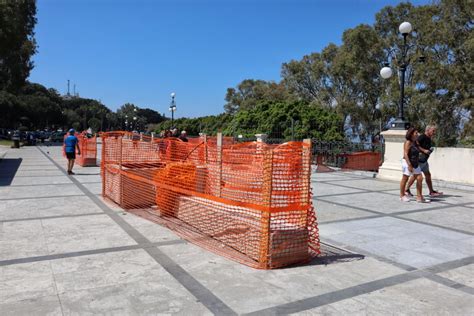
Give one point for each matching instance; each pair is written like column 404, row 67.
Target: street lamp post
column 386, row 72
column 172, row 107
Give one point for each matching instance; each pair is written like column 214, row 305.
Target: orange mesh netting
column 88, row 147
column 365, row 160
column 250, row 202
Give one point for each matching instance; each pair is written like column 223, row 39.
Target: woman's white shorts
column 407, row 172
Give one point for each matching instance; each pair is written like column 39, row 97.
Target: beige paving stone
column 461, row 218
column 8, row 192
column 83, row 233
column 326, row 212
column 254, row 289
column 126, row 282
column 462, row 275
column 22, row 239
column 152, row 231
column 323, row 189
column 58, row 206
column 61, row 179
column 410, row 298
column 45, row 305
column 26, row 281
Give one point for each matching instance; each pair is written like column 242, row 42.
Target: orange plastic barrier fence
column 250, row 202
column 88, row 147
column 365, row 160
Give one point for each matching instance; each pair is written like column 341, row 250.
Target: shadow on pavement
column 8, row 169
column 331, row 254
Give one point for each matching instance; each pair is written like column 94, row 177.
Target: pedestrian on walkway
column 426, row 147
column 70, row 144
column 410, row 166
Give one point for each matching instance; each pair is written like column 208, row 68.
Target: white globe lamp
column 386, row 72
column 405, row 28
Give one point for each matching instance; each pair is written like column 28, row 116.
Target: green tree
column 250, row 91
column 86, row 109
column 9, row 105
column 357, row 66
column 438, row 90
column 274, row 119
column 150, row 116
column 94, row 124
column 42, row 105
column 17, row 22
column 308, row 77
column 209, row 125
column 342, row 78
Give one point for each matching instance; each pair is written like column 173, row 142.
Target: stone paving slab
column 152, row 231
column 462, row 275
column 83, row 233
column 375, row 201
column 33, row 181
column 47, row 207
column 44, row 190
column 325, row 189
column 328, row 212
column 45, row 305
column 73, row 253
column 36, row 173
column 458, row 217
column 26, row 281
column 95, row 188
column 364, row 184
column 251, row 288
column 403, row 299
column 408, row 243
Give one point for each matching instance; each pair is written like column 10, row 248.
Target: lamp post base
column 400, row 124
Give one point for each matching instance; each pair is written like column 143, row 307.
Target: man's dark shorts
column 71, row 155
column 424, row 166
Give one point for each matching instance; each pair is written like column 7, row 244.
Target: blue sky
column 140, row 51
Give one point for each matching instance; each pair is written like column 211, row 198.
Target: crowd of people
column 416, row 152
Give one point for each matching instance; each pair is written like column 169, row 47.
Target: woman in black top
column 410, row 167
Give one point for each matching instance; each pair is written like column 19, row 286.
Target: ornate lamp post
column 172, row 107
column 403, row 61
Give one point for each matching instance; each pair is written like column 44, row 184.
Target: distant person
column 70, row 144
column 426, row 147
column 168, row 133
column 183, row 136
column 410, row 166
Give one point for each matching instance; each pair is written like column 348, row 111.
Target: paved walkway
column 63, row 250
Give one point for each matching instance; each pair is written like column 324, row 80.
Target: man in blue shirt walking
column 70, row 144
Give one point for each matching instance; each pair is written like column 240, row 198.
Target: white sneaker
column 405, row 199
column 423, row 201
